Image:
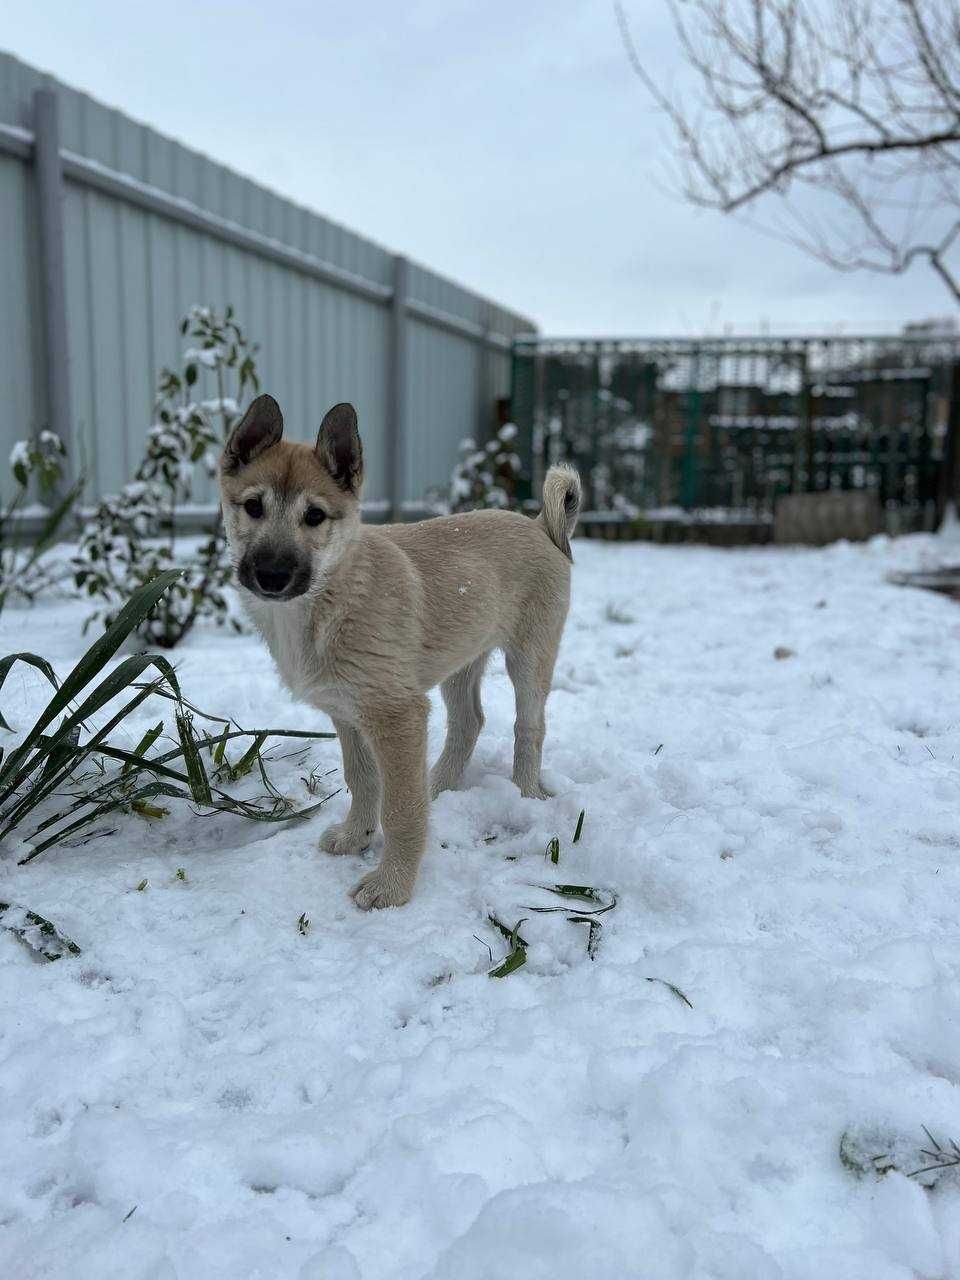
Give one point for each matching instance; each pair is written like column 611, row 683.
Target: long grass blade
column 31, row 660
column 581, row 893
column 69, row 762
column 144, row 745
column 182, row 702
column 199, row 782
column 37, row 933
column 593, row 932
column 517, row 956
column 249, row 758
column 147, row 792
column 670, row 987
column 56, row 757
column 112, row 685
column 91, row 664
column 62, row 750
column 51, row 526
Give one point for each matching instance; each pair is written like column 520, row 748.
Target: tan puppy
column 363, row 620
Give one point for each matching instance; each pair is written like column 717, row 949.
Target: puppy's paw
column 535, row 791
column 344, row 837
column 442, row 780
column 381, row 888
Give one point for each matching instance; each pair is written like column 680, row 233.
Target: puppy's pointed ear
column 258, row 430
column 339, row 447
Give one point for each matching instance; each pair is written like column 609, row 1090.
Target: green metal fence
column 729, row 424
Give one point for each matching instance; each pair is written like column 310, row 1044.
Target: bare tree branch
column 847, row 112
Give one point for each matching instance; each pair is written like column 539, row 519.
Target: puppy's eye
column 254, row 508
column 314, row 516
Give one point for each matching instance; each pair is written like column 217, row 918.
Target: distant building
column 937, row 327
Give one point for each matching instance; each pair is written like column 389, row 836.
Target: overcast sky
column 504, row 143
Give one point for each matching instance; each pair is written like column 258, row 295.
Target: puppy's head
column 290, row 510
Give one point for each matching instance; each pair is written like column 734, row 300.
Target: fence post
column 691, row 439
column 486, row 418
column 949, row 478
column 397, row 389
column 807, row 464
column 49, row 186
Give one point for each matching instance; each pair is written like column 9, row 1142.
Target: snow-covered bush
column 26, row 571
column 486, row 477
column 133, row 535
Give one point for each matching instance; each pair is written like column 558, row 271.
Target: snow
column 207, row 1092
column 209, row 356
column 20, row 454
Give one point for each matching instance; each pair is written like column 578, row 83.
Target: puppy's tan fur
column 371, row 617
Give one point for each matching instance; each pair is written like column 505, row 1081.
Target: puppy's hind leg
column 461, row 695
column 355, row 833
column 531, row 671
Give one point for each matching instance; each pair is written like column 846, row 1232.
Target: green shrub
column 28, row 569
column 486, row 477
column 133, row 535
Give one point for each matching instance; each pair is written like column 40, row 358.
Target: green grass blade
column 580, row 892
column 92, row 663
column 31, row 660
column 146, row 792
column 517, row 956
column 38, row 934
column 579, row 831
column 249, row 758
column 46, row 537
column 144, row 745
column 106, row 690
column 278, row 813
column 124, row 677
column 64, row 756
column 63, row 750
column 514, row 961
column 670, row 987
column 593, row 932
column 119, row 781
column 51, row 526
column 199, row 782
column 182, row 702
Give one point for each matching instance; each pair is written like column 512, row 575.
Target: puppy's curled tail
column 561, row 506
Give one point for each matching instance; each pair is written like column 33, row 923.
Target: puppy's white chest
column 288, row 633
column 297, row 645
column 290, row 653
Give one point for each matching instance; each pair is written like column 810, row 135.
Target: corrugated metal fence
column 111, row 231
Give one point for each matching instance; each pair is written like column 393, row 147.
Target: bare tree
column 843, row 116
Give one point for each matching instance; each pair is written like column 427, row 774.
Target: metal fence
column 730, row 424
column 111, row 231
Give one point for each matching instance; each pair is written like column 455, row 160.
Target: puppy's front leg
column 354, row 834
column 399, row 741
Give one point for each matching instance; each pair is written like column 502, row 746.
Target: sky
column 507, row 145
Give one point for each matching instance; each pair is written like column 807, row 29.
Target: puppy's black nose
column 272, row 576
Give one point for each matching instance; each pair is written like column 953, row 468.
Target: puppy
column 361, row 621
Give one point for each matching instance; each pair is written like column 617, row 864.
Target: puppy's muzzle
column 274, row 576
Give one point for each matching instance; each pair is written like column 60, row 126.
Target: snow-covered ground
column 206, row 1092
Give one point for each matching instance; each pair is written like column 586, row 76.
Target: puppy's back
column 482, row 576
